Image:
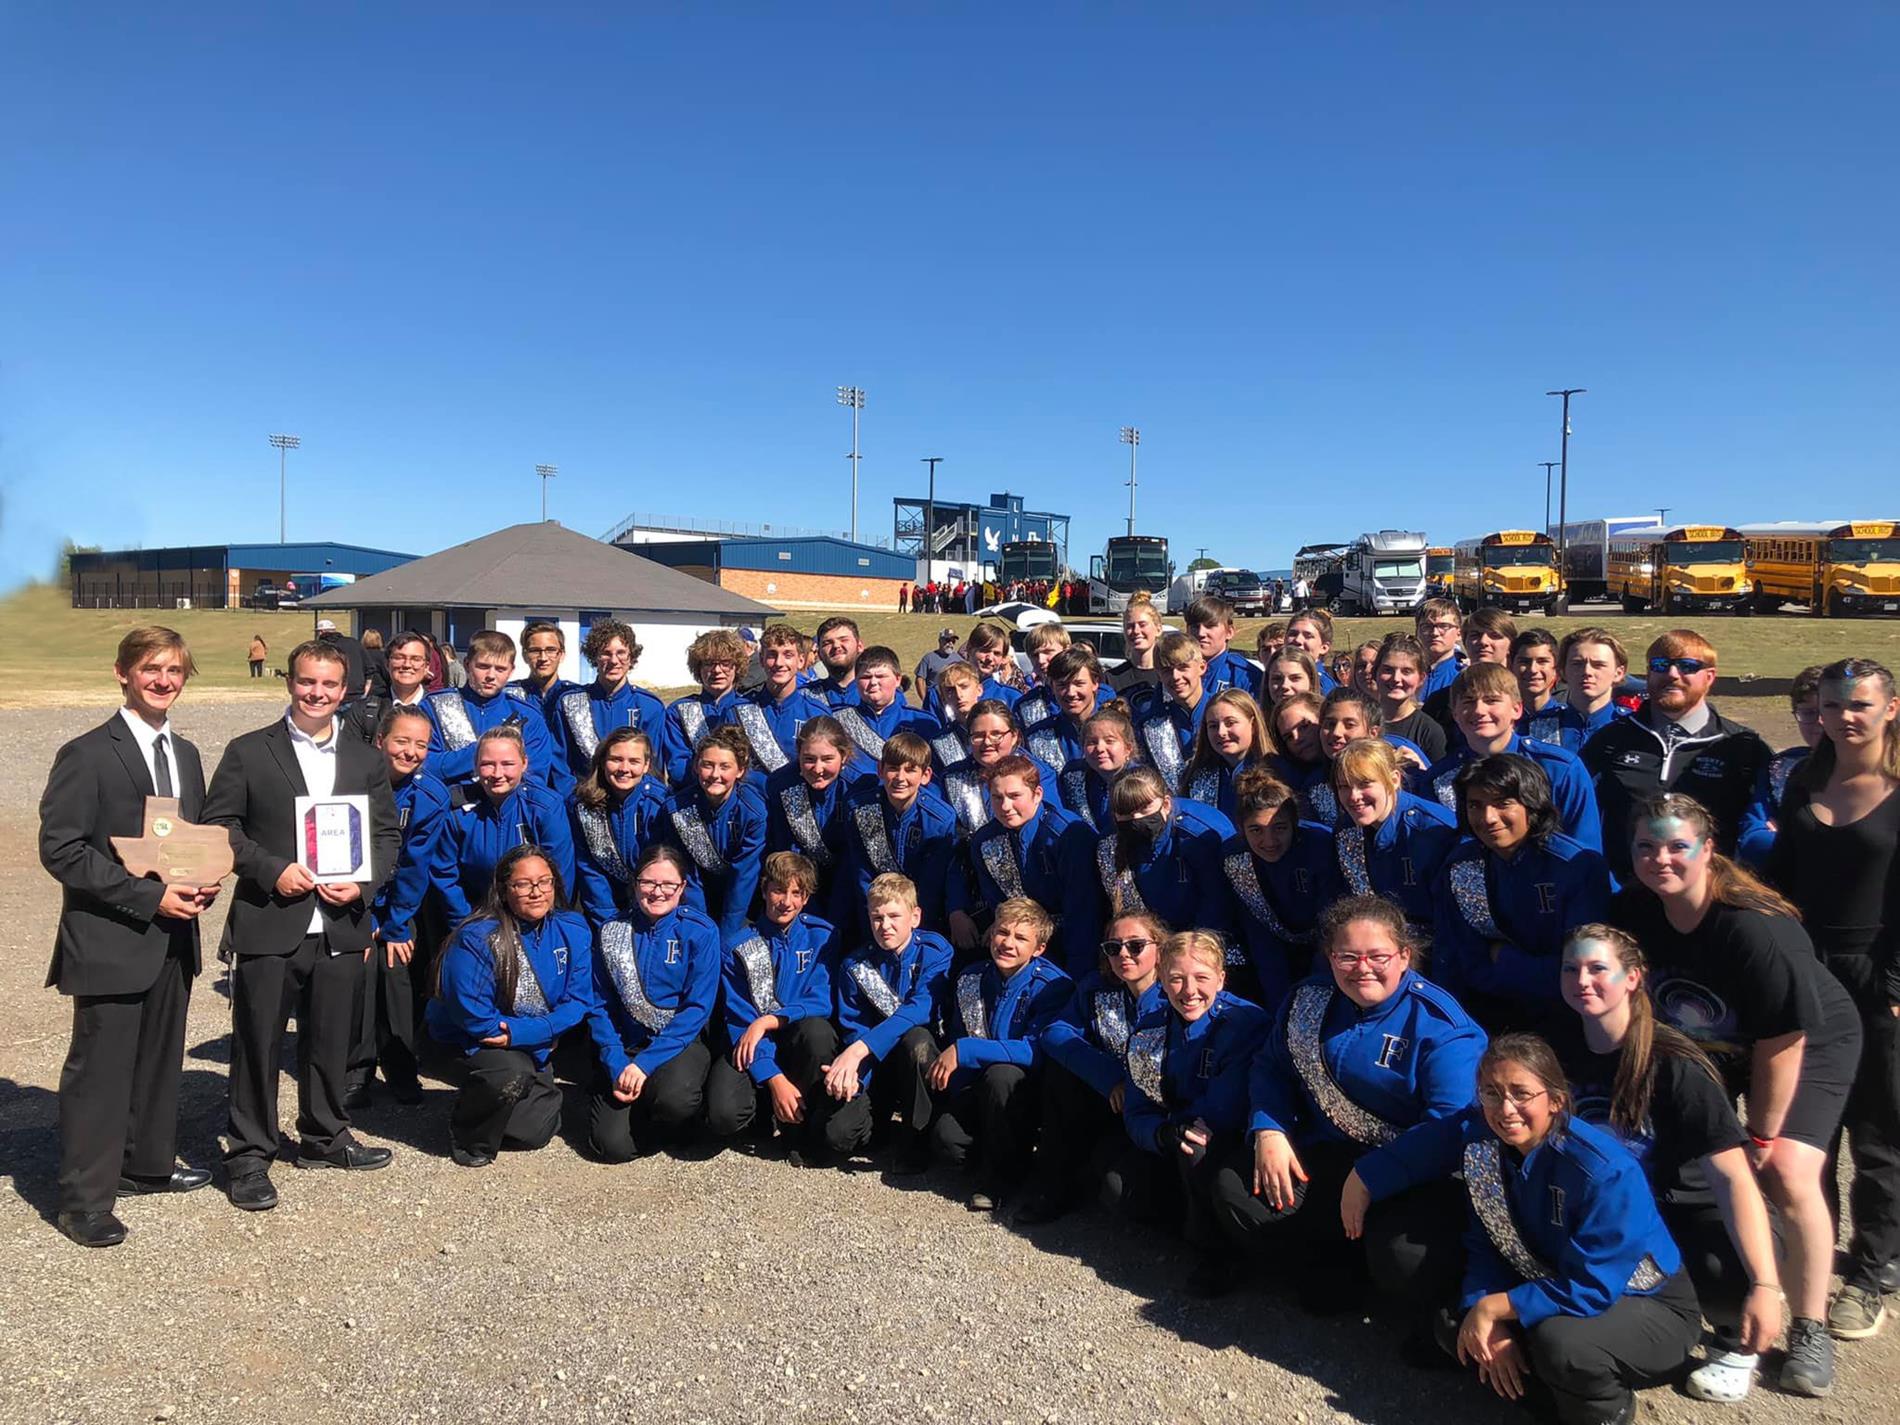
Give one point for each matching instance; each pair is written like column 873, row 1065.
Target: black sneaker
column 468, row 1159
column 1808, row 1368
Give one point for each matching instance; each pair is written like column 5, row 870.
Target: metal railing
column 692, row 524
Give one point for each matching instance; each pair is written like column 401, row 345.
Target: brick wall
column 786, row 590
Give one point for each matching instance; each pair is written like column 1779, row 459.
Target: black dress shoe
column 356, row 1092
column 92, row 1229
column 351, row 1155
column 252, row 1193
column 181, row 1180
column 468, row 1158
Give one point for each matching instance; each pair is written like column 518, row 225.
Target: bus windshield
column 1505, row 556
column 1442, row 564
column 1032, row 559
column 1706, row 551
column 1397, row 568
column 1138, row 566
column 1863, row 551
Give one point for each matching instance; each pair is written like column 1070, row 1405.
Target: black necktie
column 162, row 768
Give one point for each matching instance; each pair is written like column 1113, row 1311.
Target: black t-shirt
column 1691, row 1116
column 1420, row 727
column 1738, row 977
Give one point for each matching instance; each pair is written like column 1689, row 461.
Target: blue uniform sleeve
column 445, row 867
column 551, row 827
column 743, row 862
column 1577, row 805
column 676, row 747
column 1030, row 1022
column 931, row 872
column 1427, row 1152
column 1602, row 1251
column 1274, row 1087
column 464, row 1012
column 1447, row 1081
column 593, row 890
column 1080, row 934
column 735, row 994
column 402, row 897
column 1755, row 833
column 1067, row 1042
column 1456, row 945
column 544, row 758
column 702, row 991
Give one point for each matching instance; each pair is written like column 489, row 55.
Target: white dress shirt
column 317, row 761
column 147, row 736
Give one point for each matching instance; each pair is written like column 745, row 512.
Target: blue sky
column 1327, row 258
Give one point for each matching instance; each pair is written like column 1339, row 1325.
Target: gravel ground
column 734, row 1288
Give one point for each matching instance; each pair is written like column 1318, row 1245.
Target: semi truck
column 1383, row 572
column 1836, row 568
column 1586, row 552
column 1509, row 569
column 1687, row 567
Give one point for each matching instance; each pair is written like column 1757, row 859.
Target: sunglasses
column 1688, row 667
column 1134, row 945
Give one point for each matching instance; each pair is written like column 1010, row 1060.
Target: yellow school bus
column 1835, row 569
column 1440, row 565
column 1697, row 566
column 1509, row 568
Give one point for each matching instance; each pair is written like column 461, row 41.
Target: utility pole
column 1131, row 437
column 1549, row 465
column 547, row 473
column 284, row 444
column 930, row 519
column 1662, row 514
column 853, row 396
column 1563, row 495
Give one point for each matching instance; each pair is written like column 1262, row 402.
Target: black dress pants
column 1871, row 1123
column 1590, row 1364
column 988, row 1124
column 668, row 1107
column 734, row 1102
column 897, row 1087
column 505, row 1102
column 385, row 1020
column 1076, row 1124
column 118, row 1092
column 266, row 990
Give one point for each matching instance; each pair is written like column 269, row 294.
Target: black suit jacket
column 111, row 939
column 254, row 793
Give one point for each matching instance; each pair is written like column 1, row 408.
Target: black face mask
column 1135, row 838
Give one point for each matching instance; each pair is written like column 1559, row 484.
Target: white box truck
column 1384, row 573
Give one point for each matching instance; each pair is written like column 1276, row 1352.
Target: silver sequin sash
column 1780, row 768
column 1325, row 805
column 451, row 715
column 1164, row 748
column 1124, row 896
column 1547, row 727
column 1484, row 1183
column 1303, row 1023
column 530, row 999
column 755, row 956
column 1074, row 782
column 758, row 731
column 1147, row 1056
column 999, row 858
column 1205, row 788
column 617, row 948
column 597, row 833
column 697, row 840
column 1473, row 896
column 874, row 836
column 577, row 709
column 862, row 733
column 1034, row 708
column 1111, row 1020
column 965, row 794
column 692, row 720
column 970, row 1007
column 1349, row 847
column 1245, row 880
column 1046, row 745
column 796, row 801
column 874, row 988
column 949, row 749
column 1445, row 788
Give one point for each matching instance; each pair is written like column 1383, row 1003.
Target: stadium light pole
column 1131, row 437
column 1563, row 491
column 1549, row 465
column 284, row 444
column 930, row 518
column 853, row 396
column 547, row 473
column 1662, row 513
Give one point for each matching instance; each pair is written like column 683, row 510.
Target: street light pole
column 853, row 396
column 284, row 444
column 1662, row 514
column 930, row 519
column 1563, row 493
column 1131, row 437
column 1549, row 465
column 547, row 473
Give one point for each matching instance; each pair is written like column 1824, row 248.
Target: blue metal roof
column 804, row 554
column 314, row 557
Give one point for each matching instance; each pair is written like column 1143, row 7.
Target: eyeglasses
column 1518, row 1098
column 1134, row 946
column 1439, row 627
column 1688, row 667
column 659, row 888
column 1346, row 960
column 532, row 888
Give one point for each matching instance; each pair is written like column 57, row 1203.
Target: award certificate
column 333, row 838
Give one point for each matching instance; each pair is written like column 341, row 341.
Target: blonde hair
column 892, row 889
column 1044, row 634
column 1021, row 910
column 1367, row 759
column 1204, row 755
column 1207, row 946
